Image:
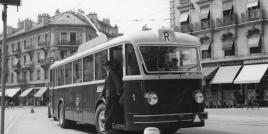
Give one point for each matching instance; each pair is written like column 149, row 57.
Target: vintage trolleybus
column 162, row 83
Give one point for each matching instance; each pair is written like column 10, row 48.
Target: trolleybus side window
column 100, row 58
column 88, row 68
column 116, row 55
column 132, row 67
column 56, row 77
column 68, row 73
column 60, row 75
column 52, row 77
column 77, row 71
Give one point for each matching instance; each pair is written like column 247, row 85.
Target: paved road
column 221, row 121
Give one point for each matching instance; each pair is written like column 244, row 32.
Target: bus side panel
column 68, row 102
column 89, row 101
column 77, row 107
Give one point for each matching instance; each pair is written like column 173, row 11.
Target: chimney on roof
column 10, row 30
column 20, row 24
column 57, row 12
column 106, row 21
column 28, row 24
column 43, row 18
column 93, row 16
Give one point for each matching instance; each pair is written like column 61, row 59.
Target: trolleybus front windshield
column 169, row 58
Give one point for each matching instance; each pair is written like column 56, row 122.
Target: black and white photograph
column 134, row 67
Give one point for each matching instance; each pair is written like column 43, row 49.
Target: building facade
column 33, row 46
column 234, row 47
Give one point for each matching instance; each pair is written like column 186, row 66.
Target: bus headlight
column 151, row 98
column 199, row 97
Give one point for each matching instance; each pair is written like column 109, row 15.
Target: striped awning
column 252, row 3
column 227, row 45
column 10, row 92
column 26, row 92
column 40, row 92
column 204, row 13
column 254, row 40
column 225, row 75
column 184, row 17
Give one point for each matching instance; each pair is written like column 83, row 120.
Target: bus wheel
column 100, row 119
column 64, row 123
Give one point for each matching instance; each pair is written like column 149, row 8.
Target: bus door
column 77, row 91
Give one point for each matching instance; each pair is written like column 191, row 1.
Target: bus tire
column 100, row 119
column 64, row 123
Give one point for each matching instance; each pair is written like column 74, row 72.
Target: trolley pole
column 3, row 73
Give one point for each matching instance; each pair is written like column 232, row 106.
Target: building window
column 46, row 74
column 205, row 47
column 31, row 75
column 184, row 21
column 38, row 74
column 38, row 40
column 73, row 38
column 228, row 46
column 227, row 8
column 63, row 36
column 205, row 17
column 18, row 45
column 12, row 78
column 24, row 60
column 254, row 43
column 253, row 4
column 24, row 44
column 46, row 38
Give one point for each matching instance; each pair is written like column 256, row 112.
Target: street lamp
column 4, row 52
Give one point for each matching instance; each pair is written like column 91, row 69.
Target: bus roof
column 151, row 36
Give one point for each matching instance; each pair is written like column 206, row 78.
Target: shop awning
column 207, row 71
column 26, row 92
column 227, row 6
column 225, row 75
column 40, row 92
column 12, row 92
column 251, row 74
column 204, row 13
column 254, row 40
column 252, row 3
column 205, row 45
column 227, row 45
column 184, row 17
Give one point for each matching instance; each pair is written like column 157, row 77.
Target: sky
column 128, row 15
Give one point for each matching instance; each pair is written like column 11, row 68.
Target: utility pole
column 3, row 78
column 4, row 54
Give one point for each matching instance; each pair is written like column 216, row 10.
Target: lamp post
column 3, row 78
column 4, row 53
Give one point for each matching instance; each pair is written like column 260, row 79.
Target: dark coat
column 112, row 85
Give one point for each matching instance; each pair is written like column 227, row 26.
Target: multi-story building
column 234, row 46
column 32, row 47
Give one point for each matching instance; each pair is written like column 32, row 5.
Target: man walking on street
column 111, row 92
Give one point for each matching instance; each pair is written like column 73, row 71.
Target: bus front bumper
column 178, row 120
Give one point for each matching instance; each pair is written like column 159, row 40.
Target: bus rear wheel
column 100, row 119
column 64, row 123
column 169, row 131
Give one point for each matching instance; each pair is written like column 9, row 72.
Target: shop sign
column 255, row 61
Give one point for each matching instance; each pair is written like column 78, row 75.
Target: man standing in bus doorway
column 111, row 92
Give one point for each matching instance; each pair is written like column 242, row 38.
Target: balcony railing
column 71, row 43
column 28, row 65
column 204, row 25
column 251, row 15
column 44, row 62
column 186, row 28
column 16, row 51
column 226, row 20
column 43, row 44
column 28, row 47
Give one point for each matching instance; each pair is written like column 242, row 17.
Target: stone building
column 33, row 46
column 234, row 47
